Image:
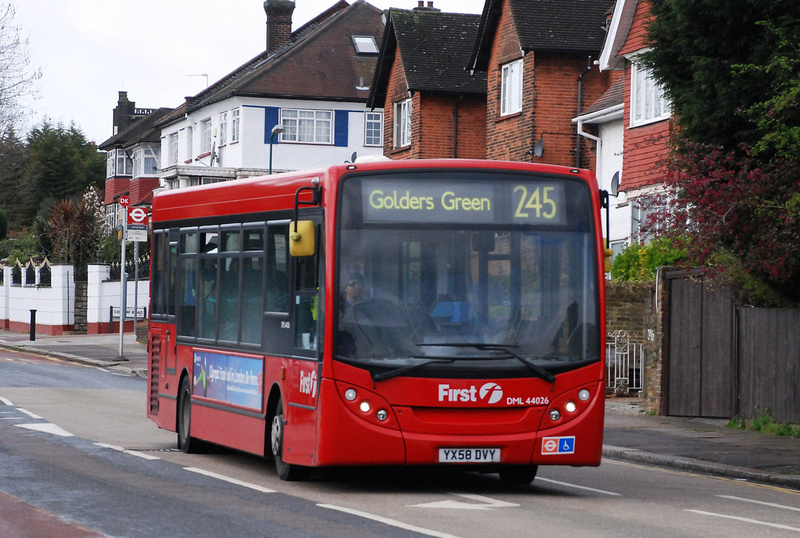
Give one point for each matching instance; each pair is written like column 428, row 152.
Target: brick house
column 434, row 108
column 646, row 120
column 310, row 83
column 132, row 155
column 538, row 56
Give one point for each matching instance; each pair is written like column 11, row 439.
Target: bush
column 639, row 262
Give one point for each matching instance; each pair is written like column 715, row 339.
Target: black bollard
column 33, row 325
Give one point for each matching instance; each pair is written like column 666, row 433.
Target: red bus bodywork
column 425, row 415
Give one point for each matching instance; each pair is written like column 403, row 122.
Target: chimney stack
column 279, row 22
column 421, row 6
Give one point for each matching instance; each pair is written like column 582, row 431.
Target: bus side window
column 188, row 283
column 306, row 300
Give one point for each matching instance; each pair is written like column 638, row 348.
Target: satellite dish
column 615, row 184
column 538, row 148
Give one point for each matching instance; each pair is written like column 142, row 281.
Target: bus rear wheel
column 186, row 443
column 518, row 475
column 286, row 471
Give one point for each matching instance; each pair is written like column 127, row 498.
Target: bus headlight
column 584, row 395
column 365, row 406
column 570, row 406
column 555, row 415
column 350, row 395
column 382, row 415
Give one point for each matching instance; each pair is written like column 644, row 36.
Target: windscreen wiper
column 397, row 372
column 535, row 368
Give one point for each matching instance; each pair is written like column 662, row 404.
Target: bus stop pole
column 123, row 283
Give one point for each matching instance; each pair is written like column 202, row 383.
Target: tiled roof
column 319, row 62
column 575, row 26
column 614, row 96
column 434, row 48
column 141, row 130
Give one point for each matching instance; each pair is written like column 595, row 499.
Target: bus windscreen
column 469, row 273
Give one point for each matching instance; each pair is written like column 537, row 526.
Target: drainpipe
column 455, row 126
column 580, row 106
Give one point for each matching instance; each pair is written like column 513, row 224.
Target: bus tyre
column 186, row 442
column 519, row 475
column 286, row 471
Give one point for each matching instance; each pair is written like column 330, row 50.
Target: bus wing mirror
column 609, row 253
column 301, row 238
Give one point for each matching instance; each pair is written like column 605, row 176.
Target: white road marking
column 567, row 484
column 747, row 520
column 487, row 503
column 6, row 401
column 32, row 415
column 229, row 479
column 45, row 427
column 773, row 505
column 387, row 521
column 126, row 451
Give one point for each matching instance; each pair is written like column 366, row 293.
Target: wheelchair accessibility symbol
column 558, row 445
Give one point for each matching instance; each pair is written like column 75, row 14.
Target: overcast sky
column 156, row 50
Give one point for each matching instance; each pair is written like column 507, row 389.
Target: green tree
column 731, row 70
column 697, row 52
column 61, row 164
column 13, row 158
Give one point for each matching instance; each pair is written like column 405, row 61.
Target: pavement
column 699, row 445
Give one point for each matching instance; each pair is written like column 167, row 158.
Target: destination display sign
column 472, row 202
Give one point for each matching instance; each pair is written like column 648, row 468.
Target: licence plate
column 469, row 455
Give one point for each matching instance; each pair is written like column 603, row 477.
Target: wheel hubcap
column 277, row 434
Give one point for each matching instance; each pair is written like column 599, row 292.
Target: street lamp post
column 278, row 129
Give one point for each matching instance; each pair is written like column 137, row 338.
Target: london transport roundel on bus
column 137, row 215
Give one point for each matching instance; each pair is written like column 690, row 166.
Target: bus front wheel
column 286, row 471
column 519, row 475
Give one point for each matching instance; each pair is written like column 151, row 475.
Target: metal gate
column 624, row 362
column 700, row 358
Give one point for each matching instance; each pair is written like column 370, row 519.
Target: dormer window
column 365, row 44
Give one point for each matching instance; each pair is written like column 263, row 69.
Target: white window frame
column 205, row 136
column 145, row 162
column 173, row 148
column 402, row 123
column 307, row 126
column 373, row 128
column 648, row 103
column 365, row 44
column 189, row 143
column 511, row 88
column 234, row 125
column 223, row 128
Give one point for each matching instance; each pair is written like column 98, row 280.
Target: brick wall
column 114, row 187
column 549, row 101
column 631, row 306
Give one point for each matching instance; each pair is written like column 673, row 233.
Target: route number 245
column 538, row 202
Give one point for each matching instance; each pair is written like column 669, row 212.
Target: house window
column 223, row 128
column 402, row 123
column 205, row 136
column 511, row 88
column 648, row 103
column 235, row 125
column 118, row 163
column 307, row 126
column 365, row 44
column 173, row 148
column 373, row 129
column 145, row 162
column 189, row 144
